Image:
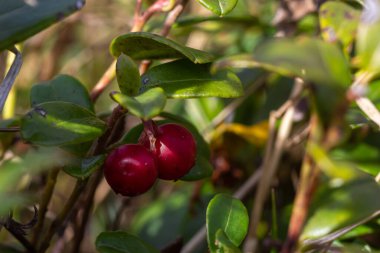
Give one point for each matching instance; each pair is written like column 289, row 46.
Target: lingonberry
column 130, row 170
column 173, row 146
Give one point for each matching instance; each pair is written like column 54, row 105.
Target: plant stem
column 46, row 197
column 78, row 190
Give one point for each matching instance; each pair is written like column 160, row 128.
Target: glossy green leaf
column 219, row 7
column 183, row 79
column 21, row 19
column 202, row 169
column 60, row 123
column 368, row 48
column 122, row 242
column 62, row 88
column 128, row 75
column 311, row 59
column 338, row 22
column 347, row 197
column 229, row 215
column 223, row 244
column 166, row 218
column 366, row 157
column 143, row 45
column 342, row 206
column 86, row 167
column 146, row 105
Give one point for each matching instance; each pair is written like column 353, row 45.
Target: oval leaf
column 368, row 48
column 223, row 244
column 228, row 214
column 121, row 242
column 86, row 167
column 219, row 7
column 62, row 88
column 339, row 22
column 128, row 75
column 143, row 45
column 60, row 123
column 311, row 59
column 21, row 19
column 145, row 106
column 184, row 79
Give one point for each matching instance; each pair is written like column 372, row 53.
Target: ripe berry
column 130, row 170
column 174, row 149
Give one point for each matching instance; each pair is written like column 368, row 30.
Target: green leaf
column 219, row 7
column 311, row 59
column 339, row 22
column 223, row 244
column 147, row 105
column 60, row 123
column 143, row 45
column 183, row 79
column 128, row 75
column 62, row 88
column 21, row 19
column 366, row 157
column 346, row 198
column 368, row 48
column 122, row 242
column 229, row 215
column 339, row 207
column 201, row 169
column 86, row 167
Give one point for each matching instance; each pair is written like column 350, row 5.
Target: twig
column 48, row 192
column 168, row 24
column 230, row 108
column 241, row 193
column 78, row 190
column 9, row 79
column 273, row 154
column 9, row 129
column 369, row 109
column 104, row 81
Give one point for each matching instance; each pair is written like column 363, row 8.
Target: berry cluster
column 166, row 152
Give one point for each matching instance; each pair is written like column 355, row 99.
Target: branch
column 9, row 79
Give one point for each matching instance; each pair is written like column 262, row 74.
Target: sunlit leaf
column 338, row 22
column 143, row 45
column 128, row 75
column 60, row 123
column 183, row 79
column 146, row 105
column 219, row 7
column 368, row 48
column 223, row 244
column 229, row 215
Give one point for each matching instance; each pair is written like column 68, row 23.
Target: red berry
column 130, row 170
column 174, row 149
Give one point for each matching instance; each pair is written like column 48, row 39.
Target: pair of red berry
column 167, row 152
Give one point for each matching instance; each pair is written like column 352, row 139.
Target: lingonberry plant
column 261, row 117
